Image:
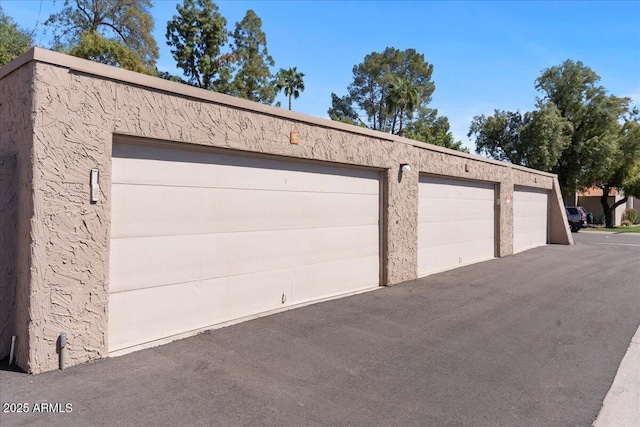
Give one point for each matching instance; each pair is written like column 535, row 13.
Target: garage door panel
column 429, row 232
column 153, row 210
column 532, row 225
column 200, row 238
column 458, row 190
column 170, row 310
column 456, row 223
column 315, row 281
column 158, row 261
column 447, row 233
column 449, row 256
column 166, row 166
column 456, row 211
column 145, row 315
column 530, row 218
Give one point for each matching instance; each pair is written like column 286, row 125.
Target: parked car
column 577, row 217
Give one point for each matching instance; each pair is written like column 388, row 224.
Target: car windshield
column 572, row 211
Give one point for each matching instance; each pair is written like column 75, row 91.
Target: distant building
column 590, row 200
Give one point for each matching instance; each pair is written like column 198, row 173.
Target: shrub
column 626, row 223
column 630, row 215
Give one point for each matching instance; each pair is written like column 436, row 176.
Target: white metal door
column 456, row 223
column 530, row 218
column 199, row 238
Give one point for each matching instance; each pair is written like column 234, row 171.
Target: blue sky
column 486, row 55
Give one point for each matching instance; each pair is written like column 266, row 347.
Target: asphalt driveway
column 533, row 339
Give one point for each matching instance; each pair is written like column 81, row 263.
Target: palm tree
column 290, row 82
column 402, row 98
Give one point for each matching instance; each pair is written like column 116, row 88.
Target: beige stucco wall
column 16, row 207
column 79, row 108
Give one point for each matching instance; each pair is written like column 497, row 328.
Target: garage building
column 140, row 210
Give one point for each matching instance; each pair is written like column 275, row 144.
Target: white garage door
column 456, row 223
column 530, row 212
column 199, row 238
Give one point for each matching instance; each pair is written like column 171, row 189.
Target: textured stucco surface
column 80, row 108
column 72, row 133
column 16, row 208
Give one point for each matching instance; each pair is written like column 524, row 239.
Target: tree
column 579, row 131
column 595, row 115
column 368, row 93
column 95, row 47
column 15, row 41
column 401, row 100
column 342, row 111
column 253, row 80
column 168, row 76
column 624, row 168
column 535, row 139
column 290, row 82
column 602, row 151
column 430, row 128
column 387, row 88
column 498, row 136
column 110, row 22
column 197, row 34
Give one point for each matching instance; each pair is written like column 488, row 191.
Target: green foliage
column 291, row 82
column 546, row 134
column 617, row 164
column 253, row 80
column 631, row 215
column 95, row 47
column 536, row 139
column 197, row 34
column 14, row 41
column 579, row 132
column 576, row 132
column 499, row 136
column 594, row 151
column 401, row 100
column 168, row 76
column 430, row 128
column 626, row 172
column 125, row 22
column 387, row 89
column 372, row 79
column 342, row 110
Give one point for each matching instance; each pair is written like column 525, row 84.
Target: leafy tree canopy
column 197, row 34
column 595, row 115
column 253, row 79
column 342, row 110
column 388, row 88
column 579, row 131
column 433, row 129
column 627, row 174
column 535, row 139
column 125, row 22
column 14, row 41
column 95, row 47
column 367, row 94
